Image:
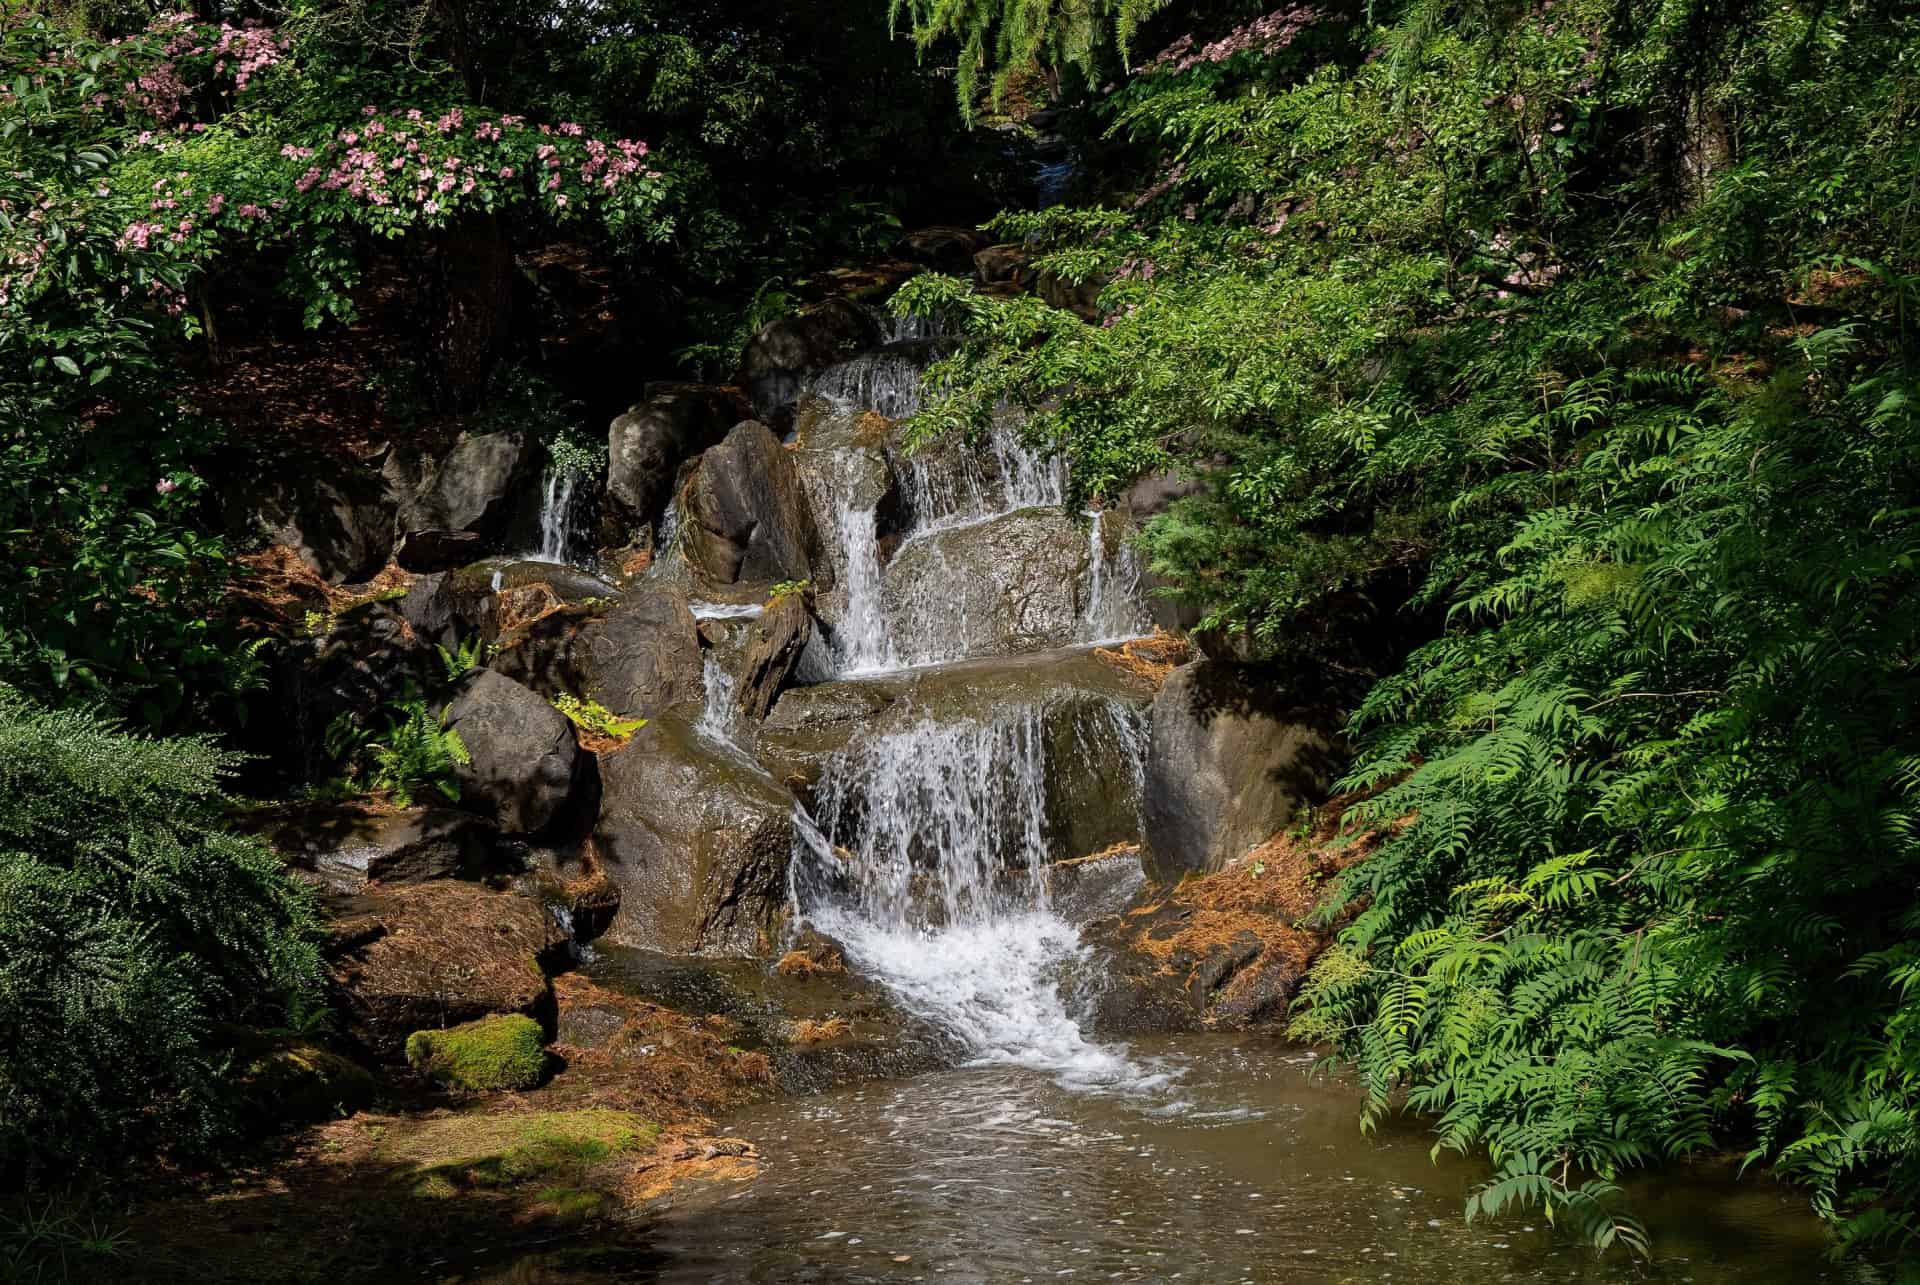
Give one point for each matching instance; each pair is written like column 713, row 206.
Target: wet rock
column 1002, row 263
column 646, row 447
column 1008, row 585
column 643, row 656
column 436, row 550
column 944, row 249
column 744, row 516
column 1083, row 889
column 778, row 360
column 779, row 638
column 490, row 598
column 343, row 847
column 338, row 517
column 438, row 954
column 697, row 841
column 1233, row 753
column 523, row 763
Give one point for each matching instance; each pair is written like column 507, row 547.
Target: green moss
column 297, row 1082
column 492, row 1053
column 558, row 1149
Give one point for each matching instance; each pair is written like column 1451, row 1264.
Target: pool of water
column 1244, row 1168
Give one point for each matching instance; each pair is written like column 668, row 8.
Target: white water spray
column 556, row 514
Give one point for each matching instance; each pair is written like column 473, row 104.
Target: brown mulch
column 1150, row 659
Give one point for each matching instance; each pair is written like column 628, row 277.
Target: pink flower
column 506, row 171
column 431, row 207
column 165, row 486
column 369, row 110
column 561, row 201
column 216, row 203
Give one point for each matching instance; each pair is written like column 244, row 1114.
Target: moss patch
column 297, row 1082
column 493, row 1053
column 558, row 1149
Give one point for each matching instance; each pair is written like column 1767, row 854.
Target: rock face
column 487, row 599
column 1008, row 585
column 343, row 846
column 642, row 657
column 437, row 954
column 336, row 516
column 524, row 764
column 1229, row 759
column 366, row 657
column 475, row 486
column 944, row 249
column 646, row 447
column 428, row 551
column 697, row 843
column 744, row 517
column 777, row 361
column 779, row 637
column 1002, row 263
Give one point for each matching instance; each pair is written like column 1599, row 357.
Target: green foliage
column 592, row 716
column 464, row 658
column 499, row 1052
column 415, row 753
column 1569, row 351
column 789, row 589
column 1007, row 37
column 132, row 927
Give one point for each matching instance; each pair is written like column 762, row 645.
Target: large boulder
column 643, row 656
column 1231, row 756
column 744, row 518
column 669, row 425
column 523, row 763
column 778, row 361
column 338, row 517
column 1011, row 584
column 944, row 249
column 487, row 599
column 697, row 842
column 476, row 486
column 437, row 954
column 343, row 847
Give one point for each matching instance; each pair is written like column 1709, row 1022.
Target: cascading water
column 954, row 487
column 1113, row 611
column 719, row 717
column 886, row 380
column 936, row 890
column 556, row 514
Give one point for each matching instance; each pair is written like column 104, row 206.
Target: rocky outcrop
column 428, row 551
column 1008, row 585
column 487, row 599
column 343, row 847
column 337, row 517
column 669, row 425
column 437, row 954
column 778, row 360
column 744, row 518
column 1231, row 756
column 779, row 638
column 642, row 657
column 523, row 763
column 475, row 487
column 359, row 660
column 697, row 842
column 1002, row 264
column 944, row 249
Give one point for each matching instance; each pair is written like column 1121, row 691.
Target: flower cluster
column 161, row 91
column 1266, row 36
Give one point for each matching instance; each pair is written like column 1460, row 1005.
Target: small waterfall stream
column 556, row 514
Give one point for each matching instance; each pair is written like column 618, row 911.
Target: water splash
column 955, row 487
column 926, row 865
column 726, row 610
column 719, row 719
column 886, row 380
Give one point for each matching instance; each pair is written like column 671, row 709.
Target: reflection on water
column 998, row 1174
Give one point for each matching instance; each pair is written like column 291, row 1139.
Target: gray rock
column 1002, row 263
column 485, row 598
column 780, row 635
column 475, row 487
column 429, row 551
column 696, row 840
column 344, row 847
column 944, row 249
column 778, row 360
column 646, row 447
column 996, row 588
column 643, row 656
column 744, row 517
column 337, row 517
column 524, row 763
column 1230, row 757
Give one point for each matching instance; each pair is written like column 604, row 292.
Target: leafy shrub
column 500, row 1052
column 593, row 717
column 132, row 926
column 463, row 658
column 417, row 752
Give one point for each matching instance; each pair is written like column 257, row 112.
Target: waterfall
column 719, row 717
column 957, row 486
column 556, row 514
column 925, row 864
column 886, row 380
column 1113, row 611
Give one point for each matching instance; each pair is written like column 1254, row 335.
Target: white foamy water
column 719, row 717
column 886, row 380
column 934, row 889
column 556, row 515
column 1113, row 610
column 726, row 610
column 963, row 484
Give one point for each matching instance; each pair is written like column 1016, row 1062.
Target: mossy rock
column 562, row 1151
column 502, row 1052
column 291, row 1081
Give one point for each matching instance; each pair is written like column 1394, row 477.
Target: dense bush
column 132, row 927
column 1568, row 349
